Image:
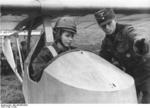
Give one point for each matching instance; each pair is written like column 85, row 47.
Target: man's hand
column 140, row 47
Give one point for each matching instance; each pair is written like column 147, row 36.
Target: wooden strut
column 13, row 68
column 48, row 31
column 20, row 56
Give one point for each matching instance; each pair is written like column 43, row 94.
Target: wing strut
column 20, row 56
column 7, row 50
column 48, row 31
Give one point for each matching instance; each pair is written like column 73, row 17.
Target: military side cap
column 104, row 15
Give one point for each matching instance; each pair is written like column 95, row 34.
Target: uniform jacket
column 117, row 48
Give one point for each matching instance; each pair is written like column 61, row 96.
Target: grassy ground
column 89, row 37
column 11, row 89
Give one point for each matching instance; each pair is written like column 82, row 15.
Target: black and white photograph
column 74, row 52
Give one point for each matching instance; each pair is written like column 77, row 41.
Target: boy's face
column 67, row 38
column 109, row 27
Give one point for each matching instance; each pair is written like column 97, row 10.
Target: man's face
column 67, row 38
column 109, row 27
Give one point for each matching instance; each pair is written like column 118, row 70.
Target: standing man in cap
column 123, row 47
column 64, row 31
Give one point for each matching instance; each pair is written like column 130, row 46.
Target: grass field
column 89, row 37
column 11, row 90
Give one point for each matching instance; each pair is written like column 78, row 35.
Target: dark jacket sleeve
column 104, row 51
column 40, row 63
column 139, row 41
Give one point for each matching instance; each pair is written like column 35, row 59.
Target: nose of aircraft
column 84, row 77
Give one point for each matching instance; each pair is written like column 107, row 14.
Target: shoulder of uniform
column 46, row 48
column 128, row 29
column 44, row 51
